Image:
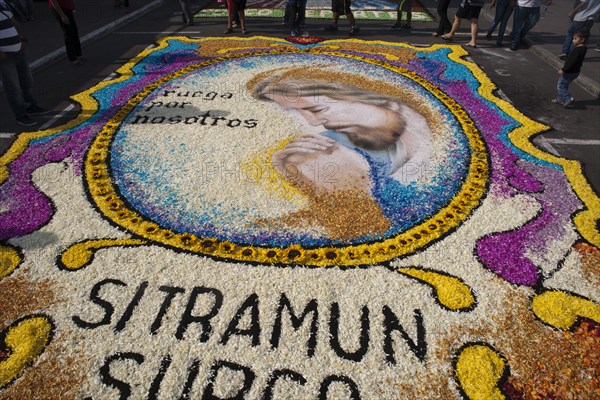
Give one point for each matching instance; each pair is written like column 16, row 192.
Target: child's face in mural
column 368, row 126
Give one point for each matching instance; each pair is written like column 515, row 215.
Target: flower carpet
column 205, row 230
column 319, row 9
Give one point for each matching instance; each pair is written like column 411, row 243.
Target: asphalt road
column 524, row 77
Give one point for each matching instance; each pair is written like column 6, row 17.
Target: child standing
column 570, row 70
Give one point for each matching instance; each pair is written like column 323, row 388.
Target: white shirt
column 591, row 11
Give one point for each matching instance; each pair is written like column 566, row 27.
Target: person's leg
column 518, row 21
column 230, row 11
column 455, row 26
column 187, row 13
column 531, row 19
column 354, row 29
column 12, row 85
column 241, row 7
column 408, row 10
column 293, row 18
column 28, row 6
column 497, row 18
column 474, row 28
column 73, row 34
column 506, row 13
column 336, row 15
column 444, row 26
column 564, row 96
column 69, row 35
column 302, row 13
column 25, row 79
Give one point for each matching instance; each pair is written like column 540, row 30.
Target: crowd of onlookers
column 17, row 80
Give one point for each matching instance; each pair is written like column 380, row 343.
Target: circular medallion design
column 322, row 160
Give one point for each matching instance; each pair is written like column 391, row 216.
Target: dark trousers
column 442, row 9
column 18, row 82
column 70, row 33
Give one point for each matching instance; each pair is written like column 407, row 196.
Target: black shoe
column 513, row 47
column 354, row 30
column 37, row 110
column 396, row 26
column 26, row 120
column 488, row 36
column 331, row 28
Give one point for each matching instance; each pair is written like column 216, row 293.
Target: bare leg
column 455, row 26
column 474, row 29
column 242, row 15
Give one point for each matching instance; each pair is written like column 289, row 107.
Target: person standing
column 470, row 10
column 583, row 16
column 14, row 70
column 527, row 15
column 504, row 9
column 572, row 67
column 444, row 26
column 63, row 11
column 339, row 7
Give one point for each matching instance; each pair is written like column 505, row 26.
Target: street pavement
column 526, row 77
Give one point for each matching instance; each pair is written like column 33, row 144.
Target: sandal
column 470, row 45
column 435, row 34
column 447, row 38
column 228, row 30
column 244, row 31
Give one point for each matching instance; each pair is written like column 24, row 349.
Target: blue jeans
column 563, row 86
column 575, row 26
column 18, row 82
column 525, row 18
column 503, row 13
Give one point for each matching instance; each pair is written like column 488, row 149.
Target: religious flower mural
column 252, row 218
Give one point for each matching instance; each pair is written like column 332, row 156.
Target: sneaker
column 26, row 120
column 354, row 30
column 397, row 25
column 562, row 56
column 488, row 36
column 294, row 33
column 37, row 110
column 557, row 101
column 514, row 47
column 568, row 102
column 331, row 28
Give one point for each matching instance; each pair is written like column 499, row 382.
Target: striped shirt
column 10, row 42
